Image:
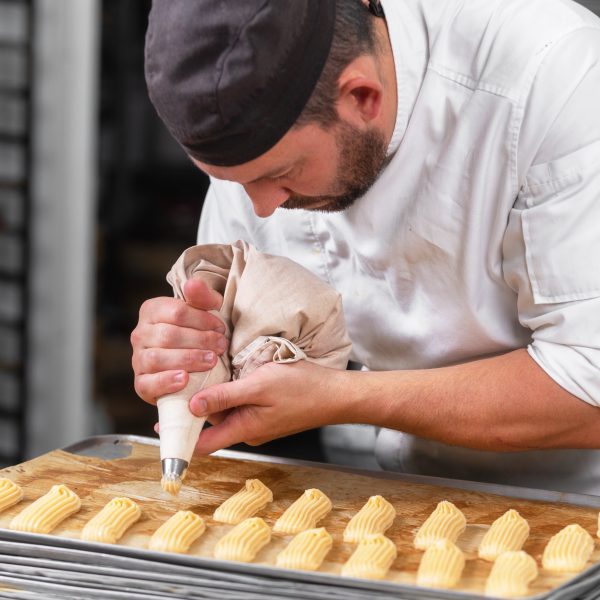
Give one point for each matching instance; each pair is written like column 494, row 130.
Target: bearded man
column 438, row 163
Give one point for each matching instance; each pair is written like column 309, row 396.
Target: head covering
column 230, row 77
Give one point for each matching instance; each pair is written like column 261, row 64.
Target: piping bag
column 274, row 310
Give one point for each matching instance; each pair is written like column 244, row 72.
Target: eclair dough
column 372, row 558
column 441, row 566
column 569, row 550
column 244, row 541
column 375, row 517
column 254, row 496
column 304, row 513
column 446, row 522
column 178, row 533
column 109, row 525
column 47, row 512
column 10, row 493
column 507, row 533
column 306, row 551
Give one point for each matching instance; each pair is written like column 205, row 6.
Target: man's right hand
column 174, row 338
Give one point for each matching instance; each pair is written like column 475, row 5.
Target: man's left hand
column 274, row 401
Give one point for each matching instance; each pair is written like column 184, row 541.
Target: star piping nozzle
column 173, row 472
column 174, row 468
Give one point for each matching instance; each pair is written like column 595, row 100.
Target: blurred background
column 96, row 203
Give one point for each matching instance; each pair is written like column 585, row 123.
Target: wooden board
column 211, row 480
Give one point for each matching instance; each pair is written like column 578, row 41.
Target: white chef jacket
column 482, row 235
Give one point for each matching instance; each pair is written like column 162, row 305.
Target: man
column 440, row 167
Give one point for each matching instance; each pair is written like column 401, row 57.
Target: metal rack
column 16, row 18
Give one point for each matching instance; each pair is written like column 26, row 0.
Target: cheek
column 319, row 179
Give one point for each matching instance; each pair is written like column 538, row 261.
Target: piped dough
column 254, row 496
column 507, row 533
column 10, row 493
column 446, row 522
column 306, row 551
column 171, row 485
column 375, row 517
column 109, row 525
column 372, row 558
column 569, row 550
column 178, row 533
column 244, row 541
column 304, row 513
column 441, row 566
column 511, row 575
column 43, row 515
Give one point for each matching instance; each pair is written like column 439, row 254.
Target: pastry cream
column 112, row 521
column 10, row 493
column 445, row 522
column 508, row 532
column 375, row 517
column 372, row 558
column 511, row 575
column 306, row 551
column 254, row 496
column 441, row 566
column 178, row 533
column 568, row 550
column 48, row 511
column 244, row 541
column 304, row 513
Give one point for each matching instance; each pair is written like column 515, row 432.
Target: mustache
column 362, row 157
column 328, row 204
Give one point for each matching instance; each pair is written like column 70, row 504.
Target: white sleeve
column 226, row 215
column 552, row 242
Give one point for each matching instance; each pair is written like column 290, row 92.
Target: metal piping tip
column 173, row 470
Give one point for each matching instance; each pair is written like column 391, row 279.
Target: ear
column 360, row 92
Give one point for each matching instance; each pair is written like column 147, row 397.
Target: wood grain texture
column 211, row 480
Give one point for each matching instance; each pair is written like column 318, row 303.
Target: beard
column 362, row 158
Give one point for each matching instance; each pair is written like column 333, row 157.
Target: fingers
column 173, row 338
column 154, row 360
column 177, row 312
column 165, row 335
column 149, row 387
column 230, row 431
column 199, row 295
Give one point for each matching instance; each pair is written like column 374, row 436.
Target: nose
column 266, row 197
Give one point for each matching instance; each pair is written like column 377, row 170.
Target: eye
column 280, row 177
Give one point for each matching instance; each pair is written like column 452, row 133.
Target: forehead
column 295, row 146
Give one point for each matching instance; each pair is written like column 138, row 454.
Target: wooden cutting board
column 211, row 480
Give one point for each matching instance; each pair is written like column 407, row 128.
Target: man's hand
column 500, row 403
column 174, row 338
column 274, row 401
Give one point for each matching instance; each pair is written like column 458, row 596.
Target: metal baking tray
column 51, row 567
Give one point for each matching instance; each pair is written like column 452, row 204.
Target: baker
column 438, row 163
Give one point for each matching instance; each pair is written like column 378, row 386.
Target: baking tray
column 69, row 568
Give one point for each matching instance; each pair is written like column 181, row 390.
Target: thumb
column 220, row 397
column 198, row 294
